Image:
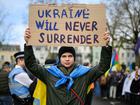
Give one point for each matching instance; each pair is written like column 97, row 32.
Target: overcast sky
column 17, row 15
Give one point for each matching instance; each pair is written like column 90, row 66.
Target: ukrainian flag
column 40, row 93
column 114, row 61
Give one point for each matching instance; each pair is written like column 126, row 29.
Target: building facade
column 42, row 53
column 126, row 55
column 85, row 54
column 7, row 52
column 96, row 51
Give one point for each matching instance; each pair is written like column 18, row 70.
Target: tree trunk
column 138, row 60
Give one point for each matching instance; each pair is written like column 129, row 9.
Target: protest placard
column 73, row 25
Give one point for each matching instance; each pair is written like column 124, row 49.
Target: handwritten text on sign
column 67, row 25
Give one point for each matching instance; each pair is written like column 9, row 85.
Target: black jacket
column 4, row 87
column 59, row 96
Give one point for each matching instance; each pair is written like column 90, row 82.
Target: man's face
column 6, row 68
column 21, row 62
column 136, row 68
column 67, row 59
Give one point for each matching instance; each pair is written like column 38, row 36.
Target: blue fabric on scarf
column 77, row 72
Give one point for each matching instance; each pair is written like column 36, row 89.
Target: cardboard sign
column 69, row 25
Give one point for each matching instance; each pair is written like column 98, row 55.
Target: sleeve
column 32, row 64
column 23, row 79
column 103, row 66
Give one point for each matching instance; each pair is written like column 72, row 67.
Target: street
column 100, row 101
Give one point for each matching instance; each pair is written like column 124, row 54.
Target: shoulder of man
column 15, row 71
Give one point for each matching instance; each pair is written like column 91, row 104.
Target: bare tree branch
column 4, row 29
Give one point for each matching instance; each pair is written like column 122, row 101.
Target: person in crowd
column 103, row 86
column 121, row 76
column 90, row 88
column 5, row 97
column 135, row 88
column 19, row 82
column 67, row 82
column 113, row 81
column 128, row 85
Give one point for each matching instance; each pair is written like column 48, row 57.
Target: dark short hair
column 6, row 63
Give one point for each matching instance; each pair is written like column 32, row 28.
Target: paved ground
column 100, row 101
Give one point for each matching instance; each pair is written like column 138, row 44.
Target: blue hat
column 19, row 55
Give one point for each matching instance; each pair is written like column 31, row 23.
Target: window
column 2, row 58
column 55, row 48
column 46, row 48
column 96, row 55
column 38, row 48
column 122, row 55
column 128, row 63
column 133, row 55
column 127, row 46
column 42, row 57
column 128, row 54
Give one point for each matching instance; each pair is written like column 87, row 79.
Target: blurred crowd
column 120, row 83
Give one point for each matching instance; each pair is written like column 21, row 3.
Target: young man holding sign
column 67, row 82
